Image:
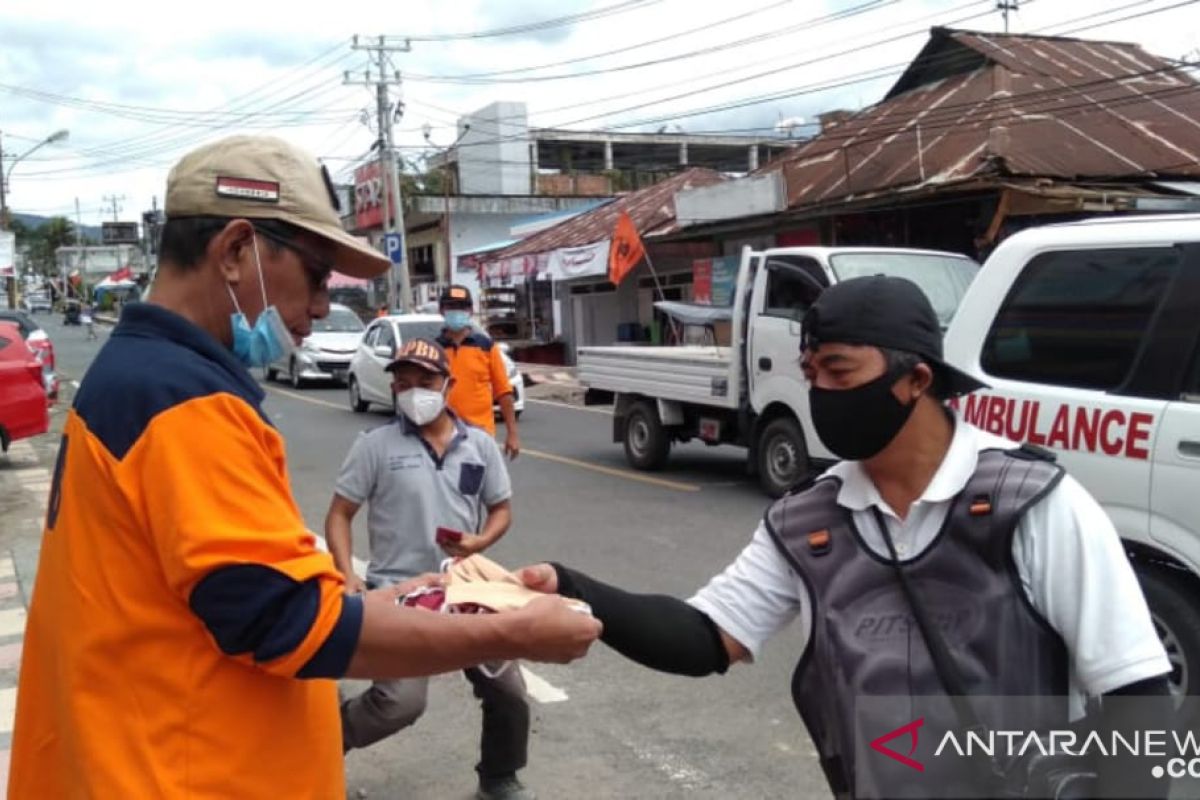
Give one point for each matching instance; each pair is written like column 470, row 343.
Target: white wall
column 493, row 156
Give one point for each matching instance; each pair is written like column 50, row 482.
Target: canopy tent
column 694, row 313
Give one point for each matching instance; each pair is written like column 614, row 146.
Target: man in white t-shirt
column 1015, row 571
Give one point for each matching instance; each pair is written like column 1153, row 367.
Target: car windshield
column 428, row 329
column 338, row 321
column 944, row 279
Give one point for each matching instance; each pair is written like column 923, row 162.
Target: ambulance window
column 1077, row 318
column 1191, row 385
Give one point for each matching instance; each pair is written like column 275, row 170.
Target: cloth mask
column 856, row 424
column 269, row 340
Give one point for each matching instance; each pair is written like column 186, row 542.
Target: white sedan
column 324, row 354
column 368, row 380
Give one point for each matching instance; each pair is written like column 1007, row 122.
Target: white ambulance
column 1088, row 334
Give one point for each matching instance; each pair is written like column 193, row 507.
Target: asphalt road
column 622, row 731
column 603, row 727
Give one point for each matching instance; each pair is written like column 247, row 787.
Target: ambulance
column 1088, row 335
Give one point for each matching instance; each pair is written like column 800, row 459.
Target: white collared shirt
column 1068, row 556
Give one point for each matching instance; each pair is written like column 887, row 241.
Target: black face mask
column 856, row 424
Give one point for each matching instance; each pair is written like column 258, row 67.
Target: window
column 372, row 334
column 338, row 321
column 386, row 338
column 420, row 259
column 1191, row 384
column 943, row 279
column 1077, row 318
column 793, row 284
column 420, row 330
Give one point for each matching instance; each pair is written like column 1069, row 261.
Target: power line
column 617, row 51
column 534, row 27
column 816, row 22
column 791, row 93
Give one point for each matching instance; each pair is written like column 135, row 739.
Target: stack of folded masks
column 478, row 585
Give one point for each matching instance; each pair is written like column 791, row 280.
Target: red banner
column 368, row 196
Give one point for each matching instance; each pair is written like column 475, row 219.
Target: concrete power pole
column 1005, row 6
column 114, row 200
column 383, row 76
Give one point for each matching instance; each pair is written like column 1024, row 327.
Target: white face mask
column 421, row 406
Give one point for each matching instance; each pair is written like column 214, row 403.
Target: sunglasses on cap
column 315, row 266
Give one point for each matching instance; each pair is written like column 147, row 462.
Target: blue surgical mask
column 269, row 340
column 457, row 320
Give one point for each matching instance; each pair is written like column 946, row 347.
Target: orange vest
column 184, row 626
column 480, row 379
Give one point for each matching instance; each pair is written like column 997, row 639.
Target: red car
column 23, row 411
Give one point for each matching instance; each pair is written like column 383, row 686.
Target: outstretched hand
column 540, row 578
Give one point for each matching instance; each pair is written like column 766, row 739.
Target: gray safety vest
column 865, row 642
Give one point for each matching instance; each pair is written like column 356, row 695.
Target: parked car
column 35, row 302
column 1088, row 337
column 325, row 353
column 39, row 342
column 752, row 394
column 23, row 411
column 368, row 381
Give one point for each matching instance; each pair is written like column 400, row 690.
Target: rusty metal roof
column 978, row 105
column 652, row 210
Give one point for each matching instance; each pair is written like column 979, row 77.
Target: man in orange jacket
column 480, row 378
column 185, row 630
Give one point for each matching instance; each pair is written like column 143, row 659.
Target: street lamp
column 54, row 138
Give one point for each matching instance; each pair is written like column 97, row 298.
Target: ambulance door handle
column 1189, row 448
column 764, row 364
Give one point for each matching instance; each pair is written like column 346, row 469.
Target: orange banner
column 626, row 250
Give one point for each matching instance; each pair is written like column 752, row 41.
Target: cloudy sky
column 137, row 84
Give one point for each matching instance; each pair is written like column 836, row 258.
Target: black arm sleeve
column 656, row 631
column 1142, row 706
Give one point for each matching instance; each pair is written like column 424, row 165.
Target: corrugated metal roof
column 652, row 210
column 981, row 104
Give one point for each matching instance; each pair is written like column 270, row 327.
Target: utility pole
column 1005, row 6
column 114, row 200
column 80, row 257
column 383, row 75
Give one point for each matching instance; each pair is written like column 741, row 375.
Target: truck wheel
column 647, row 444
column 782, row 456
column 1177, row 622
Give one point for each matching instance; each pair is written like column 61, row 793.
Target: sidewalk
column 24, row 489
column 551, row 382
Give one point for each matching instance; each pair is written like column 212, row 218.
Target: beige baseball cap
column 265, row 177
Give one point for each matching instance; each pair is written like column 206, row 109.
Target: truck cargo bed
column 691, row 374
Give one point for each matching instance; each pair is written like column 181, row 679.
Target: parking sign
column 393, row 245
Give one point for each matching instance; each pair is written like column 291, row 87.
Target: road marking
column 12, row 622
column 312, row 400
column 614, row 472
column 606, row 410
column 8, row 708
column 360, row 566
column 540, row 689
